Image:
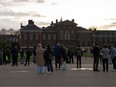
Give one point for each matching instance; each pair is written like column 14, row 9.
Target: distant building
column 30, row 35
column 9, row 38
column 65, row 32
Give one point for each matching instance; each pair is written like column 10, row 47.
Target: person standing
column 14, row 53
column 70, row 54
column 105, row 57
column 79, row 54
column 64, row 56
column 96, row 55
column 40, row 59
column 113, row 56
column 4, row 56
column 8, row 55
column 57, row 53
column 28, row 55
column 22, row 56
column 1, row 57
column 48, row 54
column 34, row 54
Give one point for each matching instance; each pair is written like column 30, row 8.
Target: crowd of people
column 61, row 55
column 106, row 53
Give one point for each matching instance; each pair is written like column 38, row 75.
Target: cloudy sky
column 87, row 13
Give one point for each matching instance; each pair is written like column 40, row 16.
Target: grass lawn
column 88, row 55
column 31, row 59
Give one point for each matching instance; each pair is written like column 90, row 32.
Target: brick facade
column 64, row 32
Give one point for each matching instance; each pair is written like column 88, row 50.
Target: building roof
column 81, row 28
column 31, row 27
column 49, row 29
column 66, row 22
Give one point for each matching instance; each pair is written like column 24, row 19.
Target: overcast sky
column 87, row 13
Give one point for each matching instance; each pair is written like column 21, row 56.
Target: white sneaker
column 48, row 72
column 113, row 70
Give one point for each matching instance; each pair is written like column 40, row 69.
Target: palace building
column 65, row 32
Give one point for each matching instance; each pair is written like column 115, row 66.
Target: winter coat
column 58, row 50
column 113, row 52
column 39, row 56
column 64, row 55
column 96, row 51
column 105, row 52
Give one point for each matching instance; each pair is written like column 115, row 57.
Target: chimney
column 56, row 20
column 21, row 26
column 52, row 23
column 73, row 20
column 30, row 22
column 61, row 19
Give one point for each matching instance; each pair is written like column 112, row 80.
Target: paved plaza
column 27, row 76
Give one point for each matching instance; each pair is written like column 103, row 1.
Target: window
column 54, row 36
column 61, row 31
column 25, row 36
column 72, row 32
column 44, row 37
column 67, row 35
column 31, row 36
column 49, row 36
column 36, row 36
column 61, row 36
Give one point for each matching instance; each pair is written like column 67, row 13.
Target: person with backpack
column 79, row 54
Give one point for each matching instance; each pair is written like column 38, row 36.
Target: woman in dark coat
column 48, row 54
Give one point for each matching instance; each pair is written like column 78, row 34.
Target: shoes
column 113, row 70
column 48, row 72
column 96, row 70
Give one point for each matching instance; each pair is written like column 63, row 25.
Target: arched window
column 49, row 36
column 67, row 35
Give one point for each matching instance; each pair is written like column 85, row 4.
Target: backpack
column 79, row 52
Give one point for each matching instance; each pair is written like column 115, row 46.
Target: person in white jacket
column 105, row 57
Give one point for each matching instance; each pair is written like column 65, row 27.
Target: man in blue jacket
column 57, row 53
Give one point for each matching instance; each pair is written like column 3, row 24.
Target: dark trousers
column 4, row 60
column 114, row 63
column 71, row 59
column 27, row 61
column 78, row 61
column 14, row 61
column 34, row 57
column 95, row 62
column 49, row 65
column 105, row 64
column 57, row 61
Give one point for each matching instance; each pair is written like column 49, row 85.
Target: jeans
column 49, row 65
